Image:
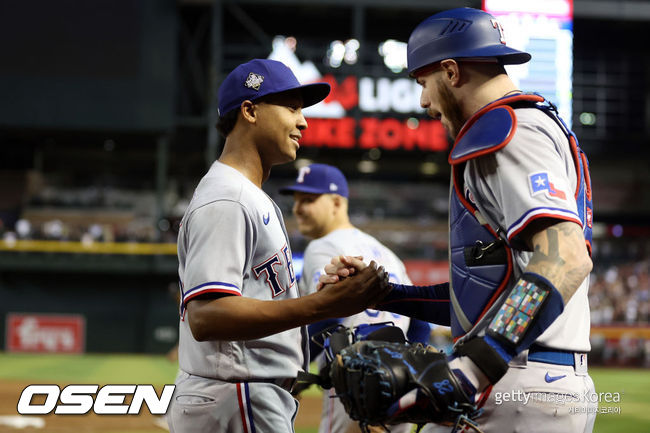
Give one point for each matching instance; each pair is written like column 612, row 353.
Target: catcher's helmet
column 460, row 33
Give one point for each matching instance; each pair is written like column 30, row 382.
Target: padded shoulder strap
column 489, row 133
column 490, row 129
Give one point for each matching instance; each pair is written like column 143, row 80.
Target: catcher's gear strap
column 532, row 305
column 486, row 358
column 315, row 329
column 428, row 303
column 304, row 380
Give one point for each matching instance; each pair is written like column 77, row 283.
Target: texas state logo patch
column 540, row 183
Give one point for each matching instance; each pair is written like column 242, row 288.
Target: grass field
column 632, row 384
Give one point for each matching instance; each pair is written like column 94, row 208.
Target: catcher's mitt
column 372, row 377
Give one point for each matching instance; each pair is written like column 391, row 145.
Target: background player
column 242, row 339
column 320, row 195
column 520, row 232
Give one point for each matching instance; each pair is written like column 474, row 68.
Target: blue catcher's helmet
column 457, row 34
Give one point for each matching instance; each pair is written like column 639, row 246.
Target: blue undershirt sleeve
column 428, row 303
column 419, row 331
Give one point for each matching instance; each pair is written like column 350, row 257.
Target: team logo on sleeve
column 540, row 183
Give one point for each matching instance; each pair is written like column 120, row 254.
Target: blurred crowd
column 621, row 294
column 619, row 297
column 94, row 214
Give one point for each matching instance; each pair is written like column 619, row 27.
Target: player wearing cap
column 321, row 195
column 520, row 234
column 242, row 327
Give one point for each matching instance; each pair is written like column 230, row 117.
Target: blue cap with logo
column 319, row 179
column 261, row 77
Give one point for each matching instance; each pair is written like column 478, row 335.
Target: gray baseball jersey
column 232, row 240
column 319, row 252
column 536, row 177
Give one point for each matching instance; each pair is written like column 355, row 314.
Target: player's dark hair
column 226, row 124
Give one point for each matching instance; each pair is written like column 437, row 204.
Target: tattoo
column 546, row 258
column 553, row 259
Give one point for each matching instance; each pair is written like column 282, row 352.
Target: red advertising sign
column 331, row 124
column 427, row 272
column 45, row 333
column 387, row 134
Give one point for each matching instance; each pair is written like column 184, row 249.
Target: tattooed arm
column 559, row 254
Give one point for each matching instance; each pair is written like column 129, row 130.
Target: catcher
column 521, row 217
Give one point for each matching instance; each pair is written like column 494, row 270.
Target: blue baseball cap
column 261, row 77
column 319, row 179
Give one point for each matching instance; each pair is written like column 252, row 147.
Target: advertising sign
column 45, row 333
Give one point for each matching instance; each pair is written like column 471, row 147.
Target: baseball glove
column 382, row 383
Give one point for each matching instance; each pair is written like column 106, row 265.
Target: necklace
column 512, row 91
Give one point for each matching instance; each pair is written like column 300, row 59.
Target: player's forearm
column 560, row 256
column 428, row 303
column 242, row 318
column 239, row 318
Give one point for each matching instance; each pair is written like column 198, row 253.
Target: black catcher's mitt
column 372, row 377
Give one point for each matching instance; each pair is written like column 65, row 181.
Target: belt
column 549, row 356
column 285, row 383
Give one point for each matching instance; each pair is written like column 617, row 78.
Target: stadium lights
column 394, row 54
column 374, row 154
column 412, row 123
column 302, row 162
column 340, row 52
column 367, row 166
column 429, row 168
column 588, row 119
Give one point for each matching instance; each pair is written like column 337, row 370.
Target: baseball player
column 320, row 195
column 520, row 234
column 242, row 327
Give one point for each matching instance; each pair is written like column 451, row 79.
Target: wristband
column 530, row 308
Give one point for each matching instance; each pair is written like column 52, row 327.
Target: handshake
column 351, row 289
column 383, row 381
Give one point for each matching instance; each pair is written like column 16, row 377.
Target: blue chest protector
column 481, row 259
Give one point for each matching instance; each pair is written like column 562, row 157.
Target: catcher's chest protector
column 481, row 260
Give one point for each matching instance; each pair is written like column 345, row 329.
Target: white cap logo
column 304, row 171
column 333, row 187
column 497, row 25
